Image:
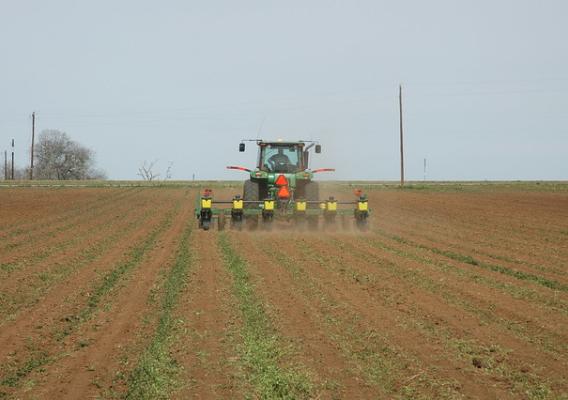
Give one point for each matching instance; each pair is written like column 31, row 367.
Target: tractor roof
column 281, row 142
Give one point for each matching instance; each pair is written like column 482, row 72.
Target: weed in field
column 493, row 360
column 8, row 267
column 517, row 292
column 155, row 375
column 486, row 314
column 262, row 350
column 511, row 260
column 39, row 359
column 467, row 259
column 112, row 278
column 46, row 279
column 29, row 385
column 478, row 356
column 373, row 356
column 36, row 361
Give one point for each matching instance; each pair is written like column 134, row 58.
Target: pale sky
column 485, row 83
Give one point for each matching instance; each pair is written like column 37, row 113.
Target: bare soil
column 450, row 294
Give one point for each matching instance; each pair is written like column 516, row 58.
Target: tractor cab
column 281, row 157
column 281, row 161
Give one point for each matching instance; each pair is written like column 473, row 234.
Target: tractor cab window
column 280, row 158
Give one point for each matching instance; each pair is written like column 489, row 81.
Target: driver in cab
column 279, row 162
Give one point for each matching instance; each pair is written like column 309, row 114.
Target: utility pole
column 12, row 159
column 401, row 137
column 5, row 165
column 424, row 170
column 32, row 155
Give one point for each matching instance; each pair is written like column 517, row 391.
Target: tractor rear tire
column 251, row 192
column 311, row 193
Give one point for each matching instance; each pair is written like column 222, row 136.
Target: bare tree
column 58, row 157
column 146, row 171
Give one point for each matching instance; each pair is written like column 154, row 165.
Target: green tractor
column 280, row 186
column 281, row 173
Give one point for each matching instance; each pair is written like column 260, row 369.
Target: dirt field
column 455, row 292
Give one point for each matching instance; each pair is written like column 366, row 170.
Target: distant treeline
column 57, row 157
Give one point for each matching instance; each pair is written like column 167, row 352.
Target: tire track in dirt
column 209, row 319
column 423, row 307
column 300, row 322
column 86, row 372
